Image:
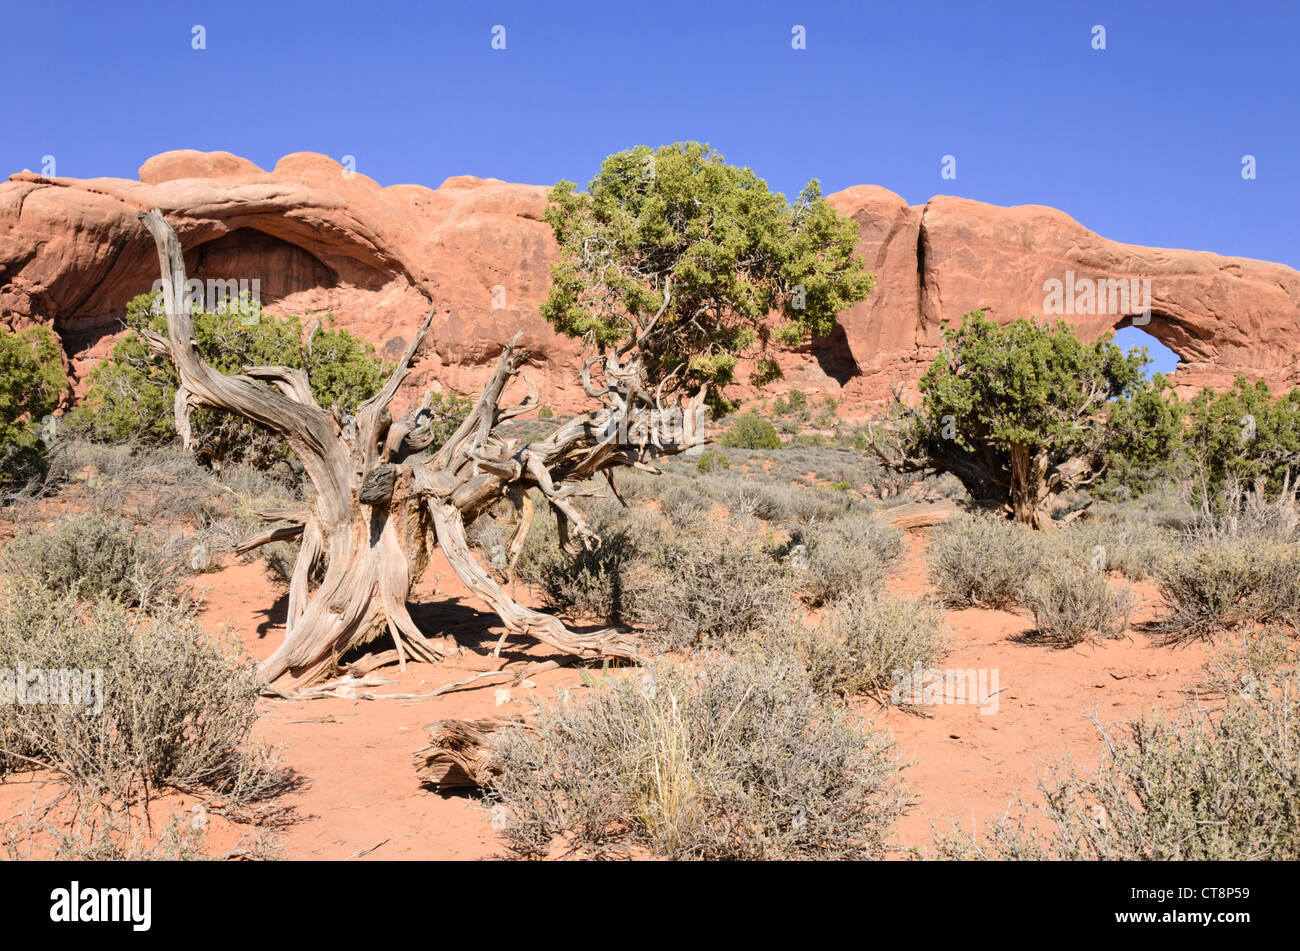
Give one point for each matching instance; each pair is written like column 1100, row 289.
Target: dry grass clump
column 867, row 644
column 1228, row 583
column 982, row 560
column 1107, row 542
column 713, row 586
column 95, row 556
column 1076, row 604
column 596, row 582
column 740, row 760
column 846, row 554
column 143, row 700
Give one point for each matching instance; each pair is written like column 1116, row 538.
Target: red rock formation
column 321, row 240
column 1222, row 316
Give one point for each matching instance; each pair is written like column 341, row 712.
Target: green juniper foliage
column 1244, row 434
column 751, row 431
column 1022, row 412
column 32, row 382
column 131, row 393
column 679, row 224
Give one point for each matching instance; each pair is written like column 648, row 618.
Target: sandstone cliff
column 318, row 240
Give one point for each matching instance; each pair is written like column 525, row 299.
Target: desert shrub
column 740, row 760
column 131, row 393
column 684, row 501
column 865, row 643
column 170, row 706
column 1241, row 663
column 825, row 417
column 1071, row 605
column 784, row 505
column 751, row 431
column 709, row 586
column 1225, row 584
column 593, row 582
column 982, row 560
column 847, row 554
column 712, row 460
column 545, row 412
column 1203, row 786
column 32, row 382
column 795, row 402
column 1136, row 549
column 93, row 556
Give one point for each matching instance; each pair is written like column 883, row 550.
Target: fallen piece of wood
column 923, row 514
column 457, row 756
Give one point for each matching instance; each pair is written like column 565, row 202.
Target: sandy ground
column 359, row 796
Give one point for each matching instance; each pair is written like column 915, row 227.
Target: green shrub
column 1072, row 605
column 1244, row 433
column 545, row 412
column 709, row 586
column 850, row 553
column 826, row 418
column 1208, row 785
column 131, row 393
column 738, row 761
column 93, row 556
column 32, row 382
column 793, row 403
column 864, row 643
column 982, row 560
column 751, row 431
column 712, row 460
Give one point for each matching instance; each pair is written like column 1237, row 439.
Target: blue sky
column 1142, row 142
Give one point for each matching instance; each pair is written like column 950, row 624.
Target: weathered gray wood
column 458, row 756
column 373, row 518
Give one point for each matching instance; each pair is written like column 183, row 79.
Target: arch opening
column 1129, row 336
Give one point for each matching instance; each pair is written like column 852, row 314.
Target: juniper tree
column 1022, row 412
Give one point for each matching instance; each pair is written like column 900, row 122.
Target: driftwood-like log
column 383, row 496
column 457, row 756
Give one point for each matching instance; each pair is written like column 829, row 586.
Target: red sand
column 360, row 794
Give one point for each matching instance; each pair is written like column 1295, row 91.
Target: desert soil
column 359, row 797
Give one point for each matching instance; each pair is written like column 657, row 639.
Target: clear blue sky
column 1142, row 142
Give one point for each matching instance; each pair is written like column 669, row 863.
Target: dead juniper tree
column 382, row 497
column 670, row 267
